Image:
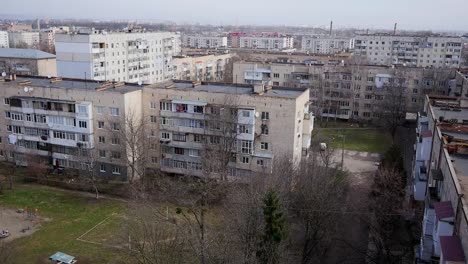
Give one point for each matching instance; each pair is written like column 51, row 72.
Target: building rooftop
column 282, row 92
column 388, row 34
column 68, row 83
column 25, row 54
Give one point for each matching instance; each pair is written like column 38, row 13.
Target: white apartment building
column 204, row 42
column 47, row 39
column 326, row 44
column 440, row 180
column 266, row 41
column 28, row 38
column 116, row 56
column 4, row 42
column 200, row 68
column 420, row 51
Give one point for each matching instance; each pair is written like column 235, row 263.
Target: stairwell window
column 265, row 115
column 264, row 145
column 245, row 160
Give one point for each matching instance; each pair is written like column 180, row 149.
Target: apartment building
column 27, row 62
column 348, row 91
column 326, row 44
column 199, row 67
column 440, row 179
column 421, row 51
column 203, row 42
column 4, row 42
column 132, row 56
column 271, row 122
column 63, row 121
column 273, row 41
column 233, row 39
column 24, row 39
column 47, row 39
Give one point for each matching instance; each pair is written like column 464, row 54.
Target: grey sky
column 410, row 14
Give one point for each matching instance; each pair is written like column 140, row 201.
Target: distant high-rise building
column 4, row 42
column 326, row 44
column 273, row 41
column 421, row 51
column 204, row 42
column 116, row 56
column 23, row 39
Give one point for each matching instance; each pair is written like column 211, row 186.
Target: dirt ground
column 14, row 222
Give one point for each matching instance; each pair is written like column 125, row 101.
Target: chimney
column 394, row 29
column 258, row 89
column 331, row 27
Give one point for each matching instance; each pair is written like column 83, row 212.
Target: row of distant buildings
column 440, row 176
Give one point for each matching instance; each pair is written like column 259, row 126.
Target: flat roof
column 281, row 92
column 25, row 54
column 68, row 83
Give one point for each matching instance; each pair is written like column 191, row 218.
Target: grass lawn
column 71, row 215
column 370, row 140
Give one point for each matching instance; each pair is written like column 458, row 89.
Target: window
column 366, row 114
column 102, row 168
column 100, row 124
column 115, row 141
column 370, row 79
column 179, row 151
column 115, row 170
column 245, row 160
column 246, row 146
column 100, row 110
column 244, row 129
column 7, row 114
column 165, row 106
column 6, row 101
column 197, row 138
column 265, row 130
column 265, row 115
column 181, row 137
column 165, row 135
column 114, row 111
column 181, row 108
column 260, row 162
column 245, row 113
column 29, row 118
column 276, row 75
column 102, row 139
column 102, row 153
column 115, row 126
column 264, row 145
column 215, row 140
column 198, row 109
column 368, row 96
column 164, row 120
column 154, row 119
column 369, row 88
column 194, row 153
column 153, row 105
column 415, row 91
column 83, row 124
column 116, row 155
column 154, row 160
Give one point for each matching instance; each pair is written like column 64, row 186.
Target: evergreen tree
column 274, row 230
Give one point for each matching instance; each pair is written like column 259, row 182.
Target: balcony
column 420, row 181
column 200, row 116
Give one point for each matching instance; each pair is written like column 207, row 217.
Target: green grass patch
column 368, row 139
column 71, row 215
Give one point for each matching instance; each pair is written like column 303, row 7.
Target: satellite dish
column 48, row 76
column 3, row 74
column 257, row 114
column 26, row 89
column 140, row 83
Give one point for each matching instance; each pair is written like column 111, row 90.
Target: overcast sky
column 410, row 14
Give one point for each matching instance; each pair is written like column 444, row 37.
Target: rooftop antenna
column 331, row 27
column 85, row 82
column 394, row 29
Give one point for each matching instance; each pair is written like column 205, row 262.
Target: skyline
column 360, row 14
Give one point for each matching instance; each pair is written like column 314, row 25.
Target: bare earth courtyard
column 16, row 222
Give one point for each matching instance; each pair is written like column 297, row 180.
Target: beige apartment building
column 199, row 67
column 27, row 62
column 440, row 179
column 56, row 118
column 348, row 91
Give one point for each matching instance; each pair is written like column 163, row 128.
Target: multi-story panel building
column 61, row 121
column 116, row 56
column 4, row 42
column 326, row 44
column 199, row 68
column 421, row 51
column 204, row 42
column 348, row 91
column 272, row 41
column 23, row 39
column 270, row 122
column 27, row 62
column 47, row 39
column 440, row 180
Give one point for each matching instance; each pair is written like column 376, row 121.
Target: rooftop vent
column 259, row 89
column 25, row 82
column 54, row 80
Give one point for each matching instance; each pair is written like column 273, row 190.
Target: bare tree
column 132, row 133
column 89, row 168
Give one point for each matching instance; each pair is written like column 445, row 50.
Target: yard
column 66, row 216
column 359, row 139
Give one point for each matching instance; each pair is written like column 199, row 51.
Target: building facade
column 326, row 44
column 4, row 42
column 116, row 56
column 273, row 41
column 440, row 180
column 204, row 42
column 47, row 39
column 57, row 119
column 348, row 91
column 420, row 51
column 199, row 68
column 24, row 39
column 27, row 62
